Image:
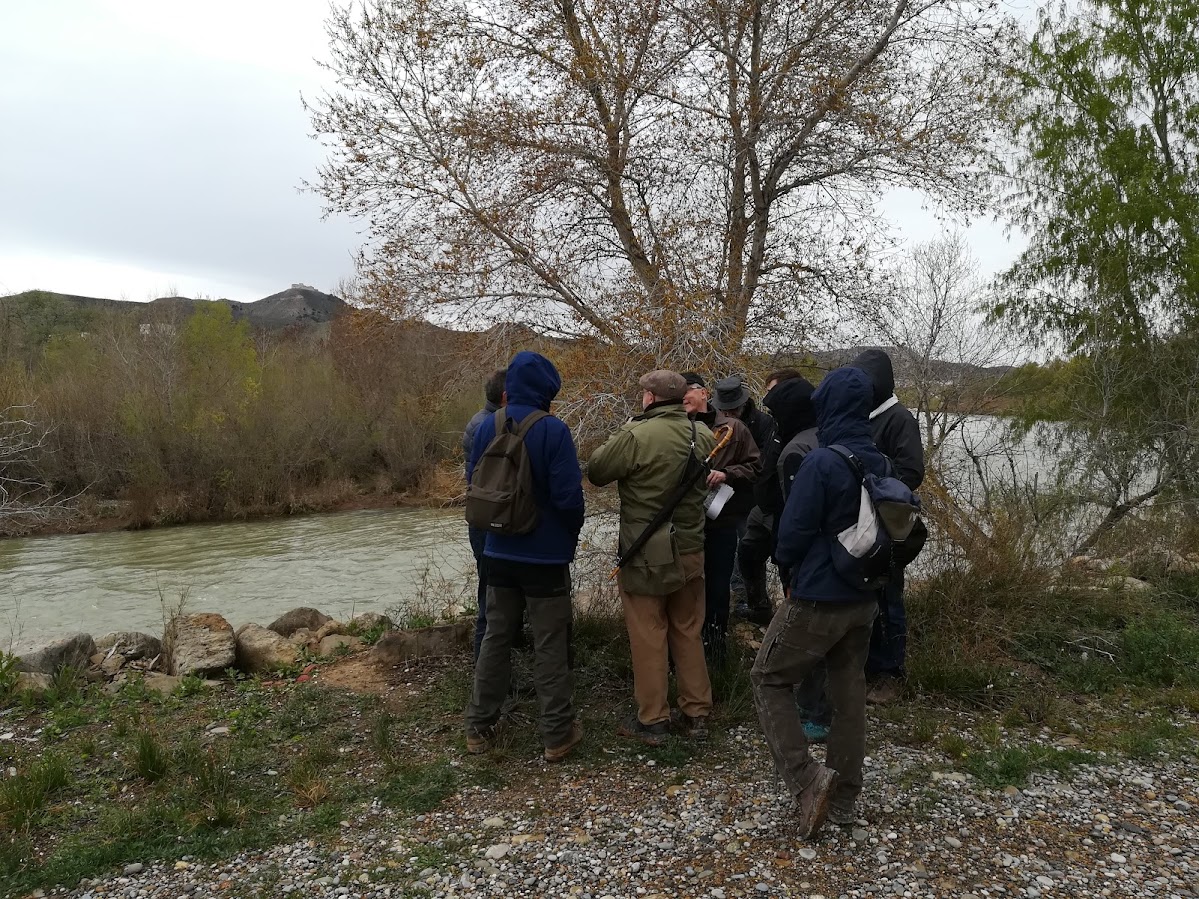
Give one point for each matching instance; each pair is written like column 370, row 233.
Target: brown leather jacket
column 740, row 460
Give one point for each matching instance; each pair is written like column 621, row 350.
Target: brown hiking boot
column 481, row 740
column 885, row 690
column 558, row 753
column 842, row 814
column 650, row 734
column 814, row 802
column 693, row 728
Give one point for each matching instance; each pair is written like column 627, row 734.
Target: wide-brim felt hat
column 730, row 394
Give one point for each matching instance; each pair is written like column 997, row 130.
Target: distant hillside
column 948, row 372
column 299, row 305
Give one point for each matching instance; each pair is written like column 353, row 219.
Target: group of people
column 708, row 484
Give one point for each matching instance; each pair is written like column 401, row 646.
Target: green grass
column 149, row 759
column 1012, row 765
column 23, row 798
column 417, row 788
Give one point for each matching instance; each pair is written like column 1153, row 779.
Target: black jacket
column 790, row 403
column 894, row 429
column 760, row 425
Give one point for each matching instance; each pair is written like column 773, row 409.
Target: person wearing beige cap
column 662, row 585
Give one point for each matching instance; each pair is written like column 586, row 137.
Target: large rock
column 332, row 644
column 70, row 652
column 260, row 649
column 131, row 644
column 199, row 644
column 367, row 622
column 290, row 622
column 398, row 647
column 32, row 682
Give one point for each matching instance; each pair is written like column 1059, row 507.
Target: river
column 342, row 564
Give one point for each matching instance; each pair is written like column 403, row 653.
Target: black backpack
column 500, row 497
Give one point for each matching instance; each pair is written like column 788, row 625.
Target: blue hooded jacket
column 532, row 383
column 826, row 494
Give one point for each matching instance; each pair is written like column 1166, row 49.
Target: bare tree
column 659, row 174
column 26, row 501
column 947, row 353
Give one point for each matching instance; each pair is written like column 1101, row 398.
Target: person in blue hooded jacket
column 531, row 571
column 824, row 617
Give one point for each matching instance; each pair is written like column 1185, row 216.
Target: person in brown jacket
column 735, row 467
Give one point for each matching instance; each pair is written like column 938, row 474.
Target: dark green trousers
column 544, row 590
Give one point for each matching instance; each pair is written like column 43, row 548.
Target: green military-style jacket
column 646, row 458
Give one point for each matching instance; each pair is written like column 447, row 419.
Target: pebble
column 618, row 834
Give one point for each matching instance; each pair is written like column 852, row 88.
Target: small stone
column 1118, row 858
column 807, row 854
column 493, row 822
column 716, row 893
column 135, row 868
column 860, row 835
column 1044, row 881
column 496, row 852
column 953, row 842
column 762, row 888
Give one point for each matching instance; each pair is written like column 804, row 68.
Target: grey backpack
column 500, row 497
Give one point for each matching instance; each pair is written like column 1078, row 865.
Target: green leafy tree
column 1106, row 178
column 221, row 369
column 1106, row 181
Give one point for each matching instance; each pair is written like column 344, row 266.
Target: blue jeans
column 720, row 554
column 889, row 639
column 478, row 542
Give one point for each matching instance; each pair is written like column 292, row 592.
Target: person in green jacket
column 662, row 586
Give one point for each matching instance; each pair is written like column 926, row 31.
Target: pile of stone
column 205, row 645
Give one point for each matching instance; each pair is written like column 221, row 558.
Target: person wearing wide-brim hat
column 732, row 397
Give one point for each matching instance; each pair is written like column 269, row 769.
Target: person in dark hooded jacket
column 493, row 396
column 757, row 543
column 531, row 570
column 825, row 616
column 896, row 433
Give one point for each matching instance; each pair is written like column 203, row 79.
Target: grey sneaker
column 814, row 801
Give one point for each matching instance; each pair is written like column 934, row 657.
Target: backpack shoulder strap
column 501, row 421
column 851, row 460
column 529, row 420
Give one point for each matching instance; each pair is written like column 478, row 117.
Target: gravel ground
column 636, row 829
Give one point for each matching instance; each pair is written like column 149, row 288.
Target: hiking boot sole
column 810, row 822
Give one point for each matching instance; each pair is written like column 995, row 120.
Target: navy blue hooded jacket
column 532, row 383
column 826, row 494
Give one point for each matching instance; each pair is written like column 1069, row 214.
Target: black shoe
column 650, row 734
column 692, row 728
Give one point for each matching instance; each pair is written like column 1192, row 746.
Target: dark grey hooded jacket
column 895, row 430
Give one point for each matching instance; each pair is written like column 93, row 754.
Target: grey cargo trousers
column 800, row 636
column 545, row 591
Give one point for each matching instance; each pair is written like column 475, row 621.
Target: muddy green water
column 248, row 571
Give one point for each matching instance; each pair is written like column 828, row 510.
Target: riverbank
column 1074, row 775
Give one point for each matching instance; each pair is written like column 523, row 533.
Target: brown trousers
column 668, row 627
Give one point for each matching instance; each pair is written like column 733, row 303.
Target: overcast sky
column 159, row 147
